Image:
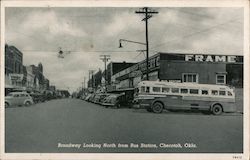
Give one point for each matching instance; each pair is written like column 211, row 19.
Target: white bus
column 156, row 96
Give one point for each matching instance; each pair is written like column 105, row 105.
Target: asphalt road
column 60, row 125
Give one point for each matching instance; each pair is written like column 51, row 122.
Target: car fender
column 28, row 100
column 6, row 101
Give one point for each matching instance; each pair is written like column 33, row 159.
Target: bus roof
column 184, row 85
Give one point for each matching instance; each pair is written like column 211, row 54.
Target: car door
column 22, row 98
column 15, row 99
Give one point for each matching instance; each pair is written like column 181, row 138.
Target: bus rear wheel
column 217, row 109
column 157, row 107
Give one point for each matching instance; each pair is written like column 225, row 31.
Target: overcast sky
column 90, row 32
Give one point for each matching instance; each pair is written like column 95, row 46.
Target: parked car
column 38, row 97
column 87, row 97
column 92, row 97
column 115, row 100
column 99, row 97
column 18, row 99
column 83, row 97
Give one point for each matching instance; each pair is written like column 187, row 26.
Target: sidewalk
column 239, row 99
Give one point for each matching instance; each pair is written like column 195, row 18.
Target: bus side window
column 147, row 89
column 142, row 89
column 204, row 92
column 222, row 93
column 175, row 90
column 156, row 89
column 229, row 93
column 165, row 90
column 214, row 92
column 185, row 91
column 194, row 91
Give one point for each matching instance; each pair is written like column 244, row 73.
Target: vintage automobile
column 100, row 97
column 87, row 97
column 92, row 97
column 38, row 97
column 18, row 99
column 114, row 100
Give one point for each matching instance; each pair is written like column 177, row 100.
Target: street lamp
column 120, row 46
column 125, row 40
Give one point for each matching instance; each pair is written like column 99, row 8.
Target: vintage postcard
column 125, row 79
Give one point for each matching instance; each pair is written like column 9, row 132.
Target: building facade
column 190, row 68
column 13, row 67
column 97, row 80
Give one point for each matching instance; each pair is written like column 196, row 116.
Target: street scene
column 124, row 80
column 43, row 127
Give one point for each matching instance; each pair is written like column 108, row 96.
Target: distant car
column 115, row 100
column 38, row 97
column 83, row 97
column 18, row 99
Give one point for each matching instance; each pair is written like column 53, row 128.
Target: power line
column 76, row 52
column 198, row 32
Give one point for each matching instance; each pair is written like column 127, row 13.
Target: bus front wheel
column 217, row 109
column 157, row 107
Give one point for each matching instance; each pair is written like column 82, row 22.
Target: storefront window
column 190, row 77
column 220, row 79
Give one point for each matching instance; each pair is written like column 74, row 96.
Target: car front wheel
column 28, row 103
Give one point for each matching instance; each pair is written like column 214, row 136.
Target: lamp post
column 146, row 44
column 125, row 40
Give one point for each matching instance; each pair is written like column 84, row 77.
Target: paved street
column 46, row 127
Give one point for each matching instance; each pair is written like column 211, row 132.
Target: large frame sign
column 212, row 58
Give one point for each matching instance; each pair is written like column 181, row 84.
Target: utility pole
column 148, row 14
column 105, row 59
column 91, row 74
column 82, row 87
column 84, row 82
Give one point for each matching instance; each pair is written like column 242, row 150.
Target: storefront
column 13, row 82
